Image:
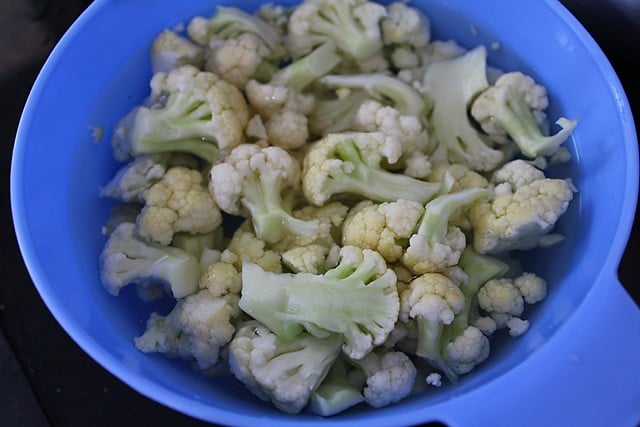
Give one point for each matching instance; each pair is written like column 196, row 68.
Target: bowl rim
column 204, row 412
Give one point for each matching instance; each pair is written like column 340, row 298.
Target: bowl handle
column 588, row 373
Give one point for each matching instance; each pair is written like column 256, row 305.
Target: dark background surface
column 45, row 378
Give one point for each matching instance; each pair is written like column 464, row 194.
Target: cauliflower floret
column 192, row 111
column 254, row 181
column 405, row 25
column 515, row 105
column 131, row 181
column 285, row 372
column 170, row 50
column 533, row 288
column 518, row 218
column 373, row 116
column 178, row 202
column 354, row 26
column 467, row 350
column 309, row 259
column 244, row 246
column 433, row 300
column 390, row 376
column 237, row 59
column 200, row 324
column 350, row 162
column 382, row 227
column 436, row 245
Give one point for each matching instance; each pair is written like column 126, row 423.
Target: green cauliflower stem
column 192, row 112
column 350, row 162
column 512, row 106
column 402, row 96
column 335, row 115
column 284, row 372
column 358, row 299
column 126, row 258
column 253, row 181
column 301, row 73
column 336, row 393
column 452, row 85
column 352, row 25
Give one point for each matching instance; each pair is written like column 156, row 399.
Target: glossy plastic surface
column 578, row 362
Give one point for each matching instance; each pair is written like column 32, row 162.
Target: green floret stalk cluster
column 182, row 125
column 264, row 201
column 404, row 98
column 301, row 73
column 336, row 115
column 230, row 22
column 375, row 183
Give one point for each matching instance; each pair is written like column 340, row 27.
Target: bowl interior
column 58, row 169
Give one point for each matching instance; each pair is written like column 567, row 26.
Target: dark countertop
column 45, row 378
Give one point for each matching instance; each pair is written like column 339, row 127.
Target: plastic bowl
column 577, row 365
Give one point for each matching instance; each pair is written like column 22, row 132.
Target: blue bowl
column 579, row 363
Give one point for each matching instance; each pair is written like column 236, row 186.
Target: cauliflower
column 451, row 85
column 280, row 102
column 503, row 300
column 382, row 227
column 350, row 162
column 237, row 60
column 252, row 181
column 133, row 179
column 372, row 116
column 519, row 217
column 191, row 111
column 357, row 298
column 126, row 258
column 283, row 371
column 515, row 105
column 231, row 22
column 353, row 25
column 200, row 324
column 390, row 376
column 405, row 25
column 178, row 202
column 436, row 245
column 433, row 301
column 244, row 246
column 170, row 50
column 467, row 350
